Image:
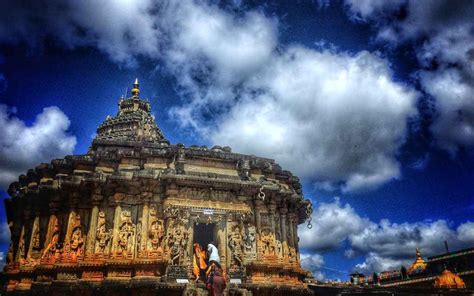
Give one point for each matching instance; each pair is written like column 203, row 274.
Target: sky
column 369, row 102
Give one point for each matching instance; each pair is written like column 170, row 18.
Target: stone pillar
column 115, row 236
column 49, row 233
column 258, row 207
column 145, row 225
column 272, row 209
column 283, row 222
column 20, row 253
column 34, row 229
column 91, row 235
column 221, row 240
column 292, row 229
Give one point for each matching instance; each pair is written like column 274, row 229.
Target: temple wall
column 123, row 220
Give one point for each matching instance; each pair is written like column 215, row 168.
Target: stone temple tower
column 126, row 217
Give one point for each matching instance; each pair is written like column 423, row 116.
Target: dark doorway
column 204, row 234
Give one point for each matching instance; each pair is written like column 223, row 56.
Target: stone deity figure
column 102, row 235
column 249, row 241
column 235, row 242
column 126, row 232
column 178, row 241
column 52, row 246
column 156, row 234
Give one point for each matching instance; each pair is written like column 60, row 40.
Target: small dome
column 449, row 280
column 419, row 265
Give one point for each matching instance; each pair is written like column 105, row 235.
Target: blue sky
column 369, row 102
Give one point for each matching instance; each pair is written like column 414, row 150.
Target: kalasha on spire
column 133, row 122
column 135, row 89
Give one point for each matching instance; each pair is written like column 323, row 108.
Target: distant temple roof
column 419, row 265
column 449, row 280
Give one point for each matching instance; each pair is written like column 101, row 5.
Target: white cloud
column 23, row 147
column 384, row 245
column 454, row 125
column 313, row 263
column 374, row 262
column 331, row 116
column 332, row 224
column 466, row 232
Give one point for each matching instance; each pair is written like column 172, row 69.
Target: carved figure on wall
column 279, row 249
column 292, row 254
column 267, row 238
column 177, row 242
column 156, row 234
column 77, row 240
column 236, row 245
column 35, row 240
column 249, row 242
column 126, row 232
column 21, row 249
column 52, row 247
column 102, row 234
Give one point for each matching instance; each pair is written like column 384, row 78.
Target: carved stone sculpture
column 177, row 242
column 126, row 233
column 50, row 250
column 236, row 245
column 103, row 235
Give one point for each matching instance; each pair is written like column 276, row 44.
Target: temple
column 126, row 216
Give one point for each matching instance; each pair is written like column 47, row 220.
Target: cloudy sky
column 370, row 102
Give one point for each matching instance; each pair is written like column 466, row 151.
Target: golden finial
column 135, row 89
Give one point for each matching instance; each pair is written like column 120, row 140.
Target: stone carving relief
column 156, row 232
column 206, row 194
column 103, row 235
column 250, row 246
column 51, row 248
column 235, row 242
column 126, row 235
column 267, row 243
column 177, row 242
column 35, row 240
column 77, row 237
column 75, row 241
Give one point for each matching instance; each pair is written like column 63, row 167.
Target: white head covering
column 213, row 253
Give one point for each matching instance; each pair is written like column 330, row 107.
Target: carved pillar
column 145, row 226
column 34, row 245
column 20, row 253
column 53, row 219
column 283, row 222
column 272, row 209
column 258, row 221
column 115, row 237
column 90, row 242
column 222, row 241
column 292, row 229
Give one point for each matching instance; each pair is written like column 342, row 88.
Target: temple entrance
column 204, row 234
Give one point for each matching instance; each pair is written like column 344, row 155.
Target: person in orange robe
column 199, row 262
